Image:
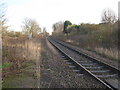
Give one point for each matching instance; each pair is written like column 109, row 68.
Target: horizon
column 46, row 13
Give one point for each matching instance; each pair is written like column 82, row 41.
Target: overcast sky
column 48, row 12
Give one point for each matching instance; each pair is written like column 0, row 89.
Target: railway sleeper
column 79, row 75
column 85, row 61
column 89, row 64
column 64, row 57
column 76, row 71
column 108, row 76
column 100, row 71
column 71, row 66
column 69, row 63
column 97, row 67
column 66, row 60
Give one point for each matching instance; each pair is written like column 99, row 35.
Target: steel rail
column 79, row 65
column 92, row 58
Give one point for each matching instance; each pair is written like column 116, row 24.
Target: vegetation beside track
column 101, row 38
column 19, row 61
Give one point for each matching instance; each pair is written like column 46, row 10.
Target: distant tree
column 54, row 27
column 108, row 16
column 58, row 27
column 75, row 26
column 45, row 33
column 30, row 27
column 66, row 24
column 44, row 30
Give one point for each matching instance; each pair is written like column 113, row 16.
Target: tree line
column 108, row 17
column 104, row 34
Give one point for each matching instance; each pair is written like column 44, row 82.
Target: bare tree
column 3, row 26
column 108, row 16
column 45, row 33
column 30, row 27
column 58, row 27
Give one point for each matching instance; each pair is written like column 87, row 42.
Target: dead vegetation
column 20, row 57
column 100, row 38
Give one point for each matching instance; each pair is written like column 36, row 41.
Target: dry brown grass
column 112, row 53
column 17, row 50
column 102, row 38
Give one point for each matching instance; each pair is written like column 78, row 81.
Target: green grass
column 24, row 79
column 18, row 81
column 5, row 65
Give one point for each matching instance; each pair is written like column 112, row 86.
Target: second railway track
column 84, row 64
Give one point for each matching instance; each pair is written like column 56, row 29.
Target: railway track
column 87, row 65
